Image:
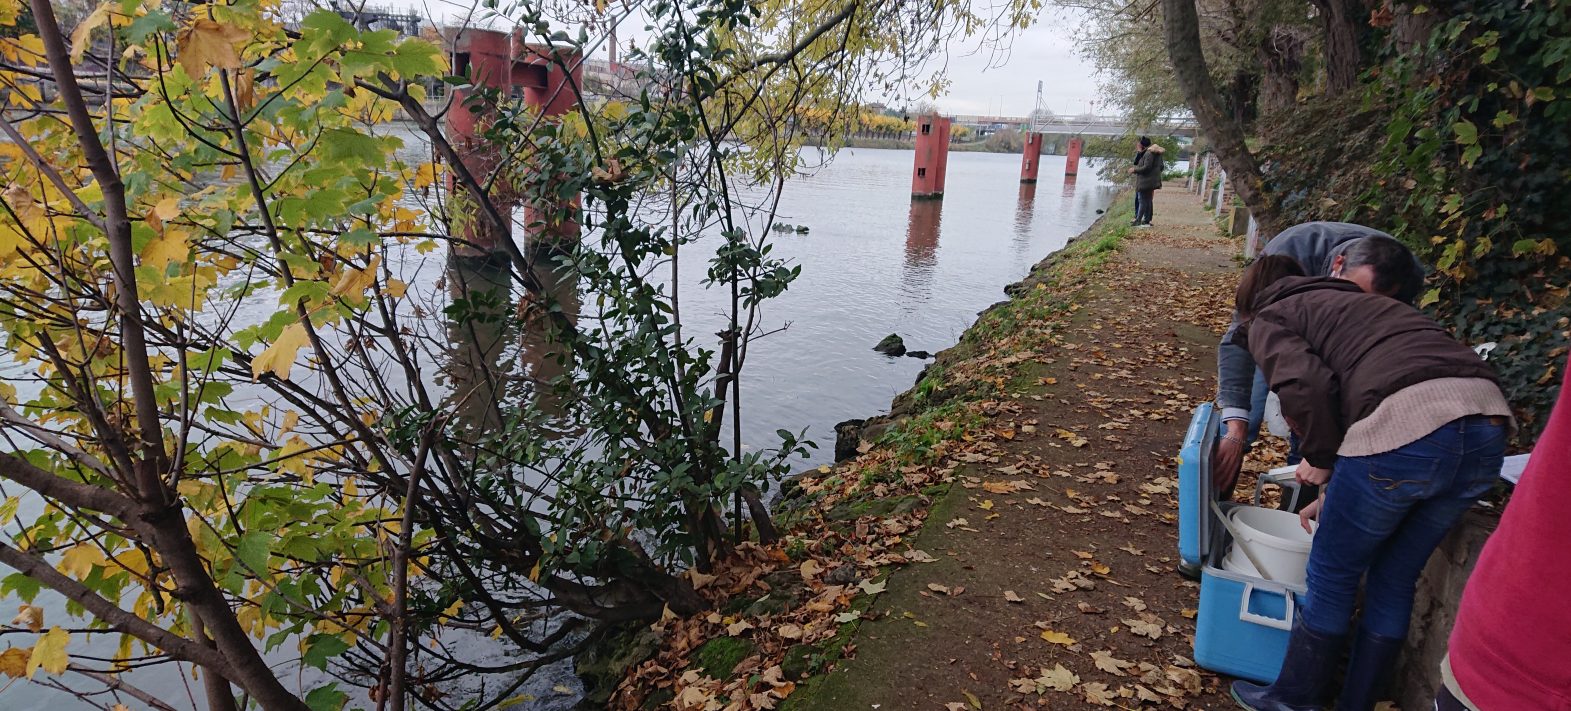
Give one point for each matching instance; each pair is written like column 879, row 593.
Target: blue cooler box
column 1243, row 622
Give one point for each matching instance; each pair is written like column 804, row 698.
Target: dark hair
column 1145, row 141
column 1396, row 274
column 1264, row 272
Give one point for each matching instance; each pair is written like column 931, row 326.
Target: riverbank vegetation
column 254, row 431
column 786, row 613
column 1443, row 123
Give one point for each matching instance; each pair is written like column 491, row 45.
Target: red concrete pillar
column 1072, row 160
column 932, row 157
column 486, row 57
column 1031, row 158
column 552, row 78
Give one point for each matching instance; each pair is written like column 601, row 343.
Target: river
column 874, row 262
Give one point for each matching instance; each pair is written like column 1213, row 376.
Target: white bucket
column 1275, row 539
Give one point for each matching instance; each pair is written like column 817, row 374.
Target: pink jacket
column 1511, row 647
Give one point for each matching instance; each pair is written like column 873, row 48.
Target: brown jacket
column 1332, row 352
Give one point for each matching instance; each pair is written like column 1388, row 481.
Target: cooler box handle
column 1286, row 623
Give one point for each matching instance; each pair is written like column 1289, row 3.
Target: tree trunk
column 163, row 523
column 1344, row 58
column 1409, row 31
column 1281, row 56
column 1241, row 97
column 1219, row 127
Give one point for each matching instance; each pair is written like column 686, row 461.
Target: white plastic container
column 1275, row 539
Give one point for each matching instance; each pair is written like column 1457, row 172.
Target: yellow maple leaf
column 78, row 562
column 279, row 358
column 49, row 653
column 1058, row 638
column 82, row 35
column 167, row 248
column 207, row 43
column 353, row 282
column 13, row 661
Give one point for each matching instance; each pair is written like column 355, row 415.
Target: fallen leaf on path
column 811, row 569
column 1058, row 638
column 1010, row 596
column 1098, row 694
column 1135, row 603
column 1111, row 664
column 872, row 588
column 1144, row 628
column 940, row 589
column 919, row 556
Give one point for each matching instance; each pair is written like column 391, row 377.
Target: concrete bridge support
column 932, row 157
column 1031, row 159
column 503, row 62
column 1072, row 158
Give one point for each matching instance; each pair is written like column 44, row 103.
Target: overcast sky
column 980, row 82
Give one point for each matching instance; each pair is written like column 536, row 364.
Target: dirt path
column 1053, row 583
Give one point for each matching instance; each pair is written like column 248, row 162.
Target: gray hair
column 1397, row 273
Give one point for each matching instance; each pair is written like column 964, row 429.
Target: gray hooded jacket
column 1314, row 245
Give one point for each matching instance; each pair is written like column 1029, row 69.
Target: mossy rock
column 602, row 666
column 718, row 657
column 881, row 507
column 799, row 662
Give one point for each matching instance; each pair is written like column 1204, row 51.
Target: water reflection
column 1069, row 186
column 477, row 316
column 922, row 228
column 487, row 368
column 544, row 359
column 1024, row 206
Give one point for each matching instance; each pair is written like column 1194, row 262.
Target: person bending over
column 1404, row 426
column 1372, row 259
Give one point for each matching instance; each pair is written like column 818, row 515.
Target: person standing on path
column 1140, row 151
column 1363, row 255
column 1148, row 179
column 1404, row 427
column 1512, row 640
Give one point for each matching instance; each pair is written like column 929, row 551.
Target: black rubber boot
column 1368, row 671
column 1305, row 679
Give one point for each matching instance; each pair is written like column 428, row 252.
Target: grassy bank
column 785, row 614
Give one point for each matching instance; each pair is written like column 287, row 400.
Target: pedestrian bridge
column 1083, row 125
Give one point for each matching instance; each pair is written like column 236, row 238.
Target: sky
column 981, row 82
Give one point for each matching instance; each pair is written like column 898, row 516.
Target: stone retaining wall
column 1434, row 609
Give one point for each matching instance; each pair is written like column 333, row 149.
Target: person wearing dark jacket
column 1366, row 256
column 1148, row 179
column 1409, row 428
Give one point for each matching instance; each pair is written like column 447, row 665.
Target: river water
column 873, row 261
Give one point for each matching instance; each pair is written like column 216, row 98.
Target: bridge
column 1083, row 125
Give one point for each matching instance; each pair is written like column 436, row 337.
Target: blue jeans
column 1385, row 514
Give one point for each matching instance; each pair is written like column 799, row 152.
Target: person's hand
column 1310, row 513
column 1130, row 171
column 1229, row 457
column 1309, row 474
